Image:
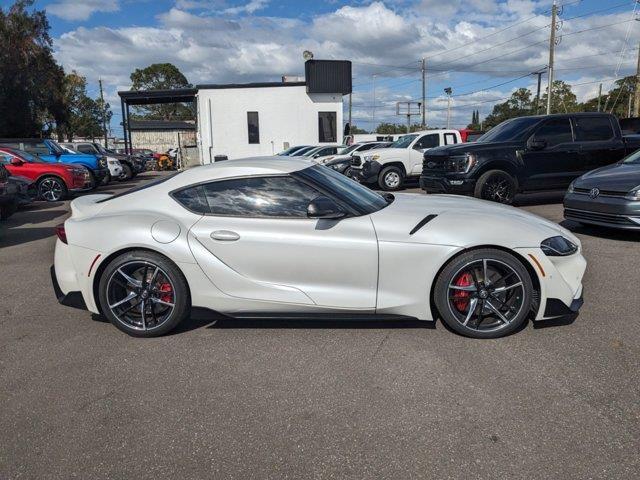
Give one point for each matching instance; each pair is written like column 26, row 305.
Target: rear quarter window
column 590, row 129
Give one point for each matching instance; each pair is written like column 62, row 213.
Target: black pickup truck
column 527, row 154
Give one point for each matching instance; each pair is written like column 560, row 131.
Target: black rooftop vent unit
column 328, row 76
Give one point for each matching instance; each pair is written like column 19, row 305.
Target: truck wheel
column 94, row 181
column 496, row 186
column 127, row 172
column 106, row 179
column 391, row 178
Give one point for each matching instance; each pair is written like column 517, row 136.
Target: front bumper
column 367, row 172
column 605, row 211
column 444, row 184
column 69, row 299
column 100, row 173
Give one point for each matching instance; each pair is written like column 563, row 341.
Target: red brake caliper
column 461, row 297
column 167, row 292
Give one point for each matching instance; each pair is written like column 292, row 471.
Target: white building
column 242, row 120
column 264, row 119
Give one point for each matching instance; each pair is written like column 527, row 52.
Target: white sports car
column 276, row 236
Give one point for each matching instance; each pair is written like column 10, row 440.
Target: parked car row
column 46, row 170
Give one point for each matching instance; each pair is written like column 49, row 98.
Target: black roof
column 147, row 97
column 221, row 86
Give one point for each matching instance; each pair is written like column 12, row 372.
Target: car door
column 550, row 158
column 598, row 144
column 416, row 152
column 258, row 243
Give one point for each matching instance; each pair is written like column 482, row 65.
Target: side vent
column 422, row 223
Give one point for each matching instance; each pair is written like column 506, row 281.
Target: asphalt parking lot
column 283, row 399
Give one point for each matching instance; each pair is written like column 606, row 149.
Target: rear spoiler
column 87, row 205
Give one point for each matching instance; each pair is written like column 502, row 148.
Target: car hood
column 617, row 178
column 383, row 152
column 462, row 221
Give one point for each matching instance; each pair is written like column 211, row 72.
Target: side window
column 250, row 197
column 427, row 141
column 593, row 129
column 253, row 126
column 450, row 139
column 5, row 158
column 555, row 132
column 86, row 149
column 327, row 127
column 38, row 148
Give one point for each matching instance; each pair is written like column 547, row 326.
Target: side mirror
column 16, row 162
column 537, row 144
column 324, row 207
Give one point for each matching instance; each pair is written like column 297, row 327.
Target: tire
column 467, row 304
column 94, row 182
column 169, row 288
column 52, row 189
column 348, row 172
column 106, row 180
column 496, row 186
column 127, row 172
column 391, row 178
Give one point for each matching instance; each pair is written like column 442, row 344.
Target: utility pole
column 424, row 93
column 539, row 74
column 104, row 115
column 552, row 46
column 599, row 97
column 373, row 112
column 636, row 105
column 448, row 91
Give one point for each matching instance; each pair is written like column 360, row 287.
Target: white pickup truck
column 390, row 167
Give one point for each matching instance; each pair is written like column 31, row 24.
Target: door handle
column 225, row 236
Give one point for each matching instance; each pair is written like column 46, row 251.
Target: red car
column 54, row 180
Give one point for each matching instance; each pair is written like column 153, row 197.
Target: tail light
column 61, row 233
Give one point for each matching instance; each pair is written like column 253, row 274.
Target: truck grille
column 356, row 161
column 583, row 215
column 435, row 163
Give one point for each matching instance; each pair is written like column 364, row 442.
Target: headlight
column 633, row 194
column 558, row 247
column 325, row 160
column 371, row 158
column 571, row 187
column 461, row 163
column 102, row 162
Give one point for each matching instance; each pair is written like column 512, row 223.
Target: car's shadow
column 602, row 232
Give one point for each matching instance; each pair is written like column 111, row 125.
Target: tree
column 161, row 76
column 83, row 114
column 563, row 100
column 354, row 130
column 518, row 105
column 616, row 101
column 31, row 81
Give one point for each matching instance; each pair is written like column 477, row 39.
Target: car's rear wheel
column 496, row 186
column 485, row 293
column 52, row 189
column 144, row 294
column 391, row 178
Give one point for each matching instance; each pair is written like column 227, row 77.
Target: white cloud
column 216, row 47
column 251, row 7
column 76, row 10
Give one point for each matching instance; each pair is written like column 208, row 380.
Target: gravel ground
column 285, row 399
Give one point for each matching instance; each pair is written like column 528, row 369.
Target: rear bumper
column 458, row 186
column 69, row 299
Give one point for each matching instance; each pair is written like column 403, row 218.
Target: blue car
column 49, row 151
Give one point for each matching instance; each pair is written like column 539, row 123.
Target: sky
column 482, row 49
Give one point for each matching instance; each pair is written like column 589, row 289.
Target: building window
column 327, row 127
column 253, row 127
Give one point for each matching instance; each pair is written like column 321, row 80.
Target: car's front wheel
column 391, row 178
column 127, row 172
column 144, row 294
column 485, row 293
column 52, row 189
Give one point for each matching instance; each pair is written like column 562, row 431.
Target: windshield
column 348, row 149
column 404, row 141
column 314, row 150
column 349, row 191
column 57, row 149
column 633, row 159
column 100, row 148
column 514, row 129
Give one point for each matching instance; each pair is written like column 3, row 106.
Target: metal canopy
column 149, row 97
